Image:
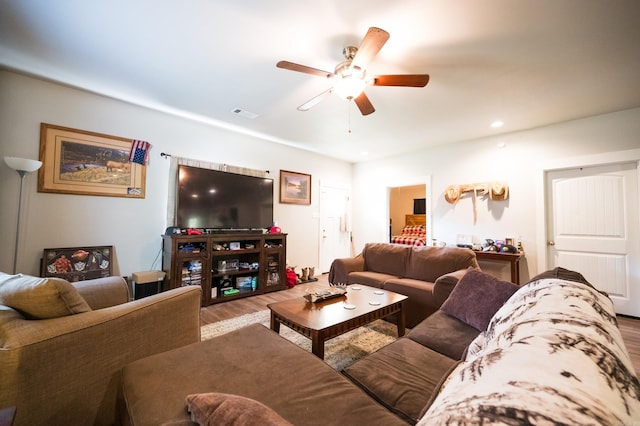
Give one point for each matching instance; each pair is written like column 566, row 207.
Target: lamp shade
column 23, row 164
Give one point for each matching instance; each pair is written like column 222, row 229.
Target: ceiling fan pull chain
column 349, row 115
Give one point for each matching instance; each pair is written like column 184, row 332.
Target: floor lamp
column 22, row 166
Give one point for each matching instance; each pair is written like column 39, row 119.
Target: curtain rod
column 215, row 166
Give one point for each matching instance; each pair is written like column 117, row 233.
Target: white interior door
column 334, row 226
column 594, row 229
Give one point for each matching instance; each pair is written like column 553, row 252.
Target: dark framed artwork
column 88, row 163
column 295, row 188
column 77, row 263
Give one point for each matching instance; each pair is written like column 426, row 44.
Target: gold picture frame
column 295, row 188
column 88, row 163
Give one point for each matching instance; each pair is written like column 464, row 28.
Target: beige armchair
column 66, row 369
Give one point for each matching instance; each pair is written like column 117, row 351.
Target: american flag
column 139, row 152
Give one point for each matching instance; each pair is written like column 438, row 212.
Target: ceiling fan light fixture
column 348, row 87
column 349, row 80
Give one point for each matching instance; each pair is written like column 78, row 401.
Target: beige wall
column 519, row 163
column 132, row 226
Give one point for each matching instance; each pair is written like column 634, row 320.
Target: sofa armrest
column 103, row 292
column 59, row 370
column 340, row 268
column 443, row 286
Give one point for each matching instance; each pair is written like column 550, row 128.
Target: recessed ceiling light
column 497, row 124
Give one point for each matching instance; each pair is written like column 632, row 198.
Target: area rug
column 339, row 352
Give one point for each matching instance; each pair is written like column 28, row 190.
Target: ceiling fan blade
column 315, row 100
column 303, row 68
column 407, row 80
column 370, row 46
column 364, row 104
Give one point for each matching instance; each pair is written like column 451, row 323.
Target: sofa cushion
column 369, row 278
column 444, row 334
column 40, row 298
column 429, row 263
column 219, row 408
column 385, row 258
column 100, row 293
column 477, row 297
column 414, row 289
column 401, row 376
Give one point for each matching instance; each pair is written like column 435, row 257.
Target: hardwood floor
column 629, row 327
column 630, row 330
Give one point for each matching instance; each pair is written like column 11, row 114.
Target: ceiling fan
column 350, row 76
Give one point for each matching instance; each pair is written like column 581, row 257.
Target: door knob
column 551, row 243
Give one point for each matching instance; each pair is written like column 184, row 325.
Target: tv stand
column 227, row 265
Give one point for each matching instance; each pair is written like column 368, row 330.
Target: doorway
column 422, row 182
column 335, row 227
column 593, row 227
column 407, row 206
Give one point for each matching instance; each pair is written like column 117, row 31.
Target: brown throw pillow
column 477, row 297
column 41, row 298
column 231, row 410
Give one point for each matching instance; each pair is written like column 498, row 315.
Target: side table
column 512, row 258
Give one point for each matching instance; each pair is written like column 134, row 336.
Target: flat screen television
column 213, row 199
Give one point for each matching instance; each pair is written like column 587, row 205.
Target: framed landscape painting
column 295, row 188
column 88, row 163
column 77, row 263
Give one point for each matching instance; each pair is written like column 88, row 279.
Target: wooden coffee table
column 327, row 319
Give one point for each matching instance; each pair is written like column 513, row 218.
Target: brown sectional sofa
column 425, row 274
column 256, row 363
column 551, row 354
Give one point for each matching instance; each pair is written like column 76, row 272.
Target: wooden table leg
column 317, row 344
column 275, row 323
column 402, row 321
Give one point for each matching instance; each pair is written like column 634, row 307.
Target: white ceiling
column 528, row 63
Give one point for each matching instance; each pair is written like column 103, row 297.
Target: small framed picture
column 234, row 246
column 295, row 188
column 508, row 241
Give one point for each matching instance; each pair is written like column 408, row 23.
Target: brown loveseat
column 62, row 345
column 425, row 274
